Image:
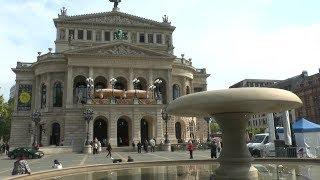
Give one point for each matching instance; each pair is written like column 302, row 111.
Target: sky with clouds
column 234, row 40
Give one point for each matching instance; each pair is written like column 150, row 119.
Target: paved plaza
column 73, row 159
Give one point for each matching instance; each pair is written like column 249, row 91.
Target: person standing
column 139, row 145
column 145, row 146
column 213, row 149
column 152, row 145
column 190, row 149
column 56, row 165
column 95, row 146
column 7, row 148
column 133, row 145
column 21, row 166
column 109, row 149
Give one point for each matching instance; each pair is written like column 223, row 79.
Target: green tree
column 6, row 109
column 214, row 127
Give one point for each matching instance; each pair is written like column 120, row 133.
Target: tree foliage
column 6, row 109
column 214, row 127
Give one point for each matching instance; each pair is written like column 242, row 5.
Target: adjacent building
column 257, row 120
column 134, row 75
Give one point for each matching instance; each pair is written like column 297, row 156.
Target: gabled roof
column 112, row 18
column 118, row 49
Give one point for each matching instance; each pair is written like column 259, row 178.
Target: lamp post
column 157, row 83
column 113, row 82
column 88, row 116
column 166, row 118
column 90, row 87
column 135, row 82
column 36, row 118
column 208, row 120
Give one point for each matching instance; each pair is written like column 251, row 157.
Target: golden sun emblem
column 24, row 97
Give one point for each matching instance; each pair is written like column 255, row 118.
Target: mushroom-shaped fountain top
column 235, row 100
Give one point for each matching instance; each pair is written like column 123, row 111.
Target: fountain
column 232, row 109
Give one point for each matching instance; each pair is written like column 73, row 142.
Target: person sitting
column 116, row 160
column 130, row 159
column 21, row 166
column 57, row 164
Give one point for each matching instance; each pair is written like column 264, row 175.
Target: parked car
column 30, row 153
column 260, row 146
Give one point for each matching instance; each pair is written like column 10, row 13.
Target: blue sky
column 233, row 39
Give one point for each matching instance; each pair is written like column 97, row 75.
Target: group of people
column 4, row 148
column 151, row 144
column 21, row 166
column 214, row 145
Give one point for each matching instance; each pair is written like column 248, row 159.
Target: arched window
column 187, row 90
column 79, row 89
column 43, row 98
column 100, row 83
column 176, row 91
column 57, row 94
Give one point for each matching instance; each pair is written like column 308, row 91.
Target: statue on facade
column 80, row 97
column 115, row 5
column 63, row 12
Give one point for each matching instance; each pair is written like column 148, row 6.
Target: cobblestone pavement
column 73, row 159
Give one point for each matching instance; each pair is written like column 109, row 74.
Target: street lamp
column 88, row 116
column 113, row 82
column 36, row 118
column 165, row 117
column 208, row 120
column 157, row 83
column 135, row 82
column 90, row 87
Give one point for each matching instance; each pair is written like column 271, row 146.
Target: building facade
column 257, row 120
column 114, row 49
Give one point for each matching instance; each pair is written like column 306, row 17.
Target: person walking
column 7, row 148
column 139, row 145
column 133, row 145
column 109, row 150
column 190, row 149
column 145, row 146
column 95, row 146
column 213, row 149
column 21, row 166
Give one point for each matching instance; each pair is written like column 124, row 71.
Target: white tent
column 307, row 136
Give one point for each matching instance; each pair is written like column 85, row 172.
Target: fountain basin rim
column 234, row 100
column 105, row 167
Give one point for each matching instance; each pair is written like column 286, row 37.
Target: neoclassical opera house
column 134, row 75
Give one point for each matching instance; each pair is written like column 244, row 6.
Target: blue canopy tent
column 307, row 135
column 302, row 125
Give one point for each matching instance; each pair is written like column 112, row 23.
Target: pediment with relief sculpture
column 118, row 49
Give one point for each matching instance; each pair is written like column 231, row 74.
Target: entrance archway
column 144, row 129
column 55, row 134
column 122, row 132
column 100, row 130
column 178, row 131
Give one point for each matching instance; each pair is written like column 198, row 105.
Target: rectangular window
column 71, row 33
column 107, row 36
column 159, row 38
column 98, row 36
column 80, row 34
column 89, row 35
column 150, row 38
column 141, row 38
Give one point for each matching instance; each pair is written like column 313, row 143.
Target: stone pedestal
column 135, row 101
column 235, row 158
column 87, row 149
column 167, row 147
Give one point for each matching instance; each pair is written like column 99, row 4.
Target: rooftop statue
column 116, row 2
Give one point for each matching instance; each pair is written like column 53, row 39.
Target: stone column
column 93, row 35
column 184, row 86
column 131, row 77
column 169, row 86
column 160, row 131
column 16, row 94
column 113, row 129
column 49, row 92
column 286, row 128
column 75, row 33
column 69, row 86
column 84, row 34
column 150, row 76
column 136, row 126
column 111, row 75
column 235, row 159
column 102, row 35
column 37, row 94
